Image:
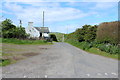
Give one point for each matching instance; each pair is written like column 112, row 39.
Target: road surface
column 63, row 60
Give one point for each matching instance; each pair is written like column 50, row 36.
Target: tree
column 11, row 31
column 7, row 24
column 79, row 34
column 7, row 28
column 90, row 33
column 108, row 32
column 86, row 33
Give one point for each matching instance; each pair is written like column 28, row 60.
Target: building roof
column 43, row 29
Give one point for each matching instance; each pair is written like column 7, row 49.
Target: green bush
column 112, row 49
column 85, row 45
column 9, row 30
column 4, row 62
column 107, row 32
column 115, row 50
column 86, row 33
column 53, row 37
column 18, row 41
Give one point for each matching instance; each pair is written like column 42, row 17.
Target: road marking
column 25, row 76
column 114, row 73
column 98, row 74
column 45, row 76
column 106, row 74
column 88, row 74
column 7, row 72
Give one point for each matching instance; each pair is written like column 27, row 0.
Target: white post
column 63, row 38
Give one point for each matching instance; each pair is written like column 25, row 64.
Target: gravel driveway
column 62, row 60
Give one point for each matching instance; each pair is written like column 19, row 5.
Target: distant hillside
column 58, row 35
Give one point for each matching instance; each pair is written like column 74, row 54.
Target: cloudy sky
column 60, row 16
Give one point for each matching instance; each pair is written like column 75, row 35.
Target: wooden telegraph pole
column 20, row 23
column 43, row 26
column 43, row 18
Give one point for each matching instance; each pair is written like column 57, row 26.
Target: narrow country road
column 63, row 60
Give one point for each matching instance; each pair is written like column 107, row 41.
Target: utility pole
column 43, row 18
column 43, row 25
column 20, row 23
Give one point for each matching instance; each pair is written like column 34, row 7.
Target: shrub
column 86, row 33
column 53, row 37
column 11, row 31
column 107, row 32
column 86, row 45
column 112, row 49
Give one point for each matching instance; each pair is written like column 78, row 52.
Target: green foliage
column 4, row 62
column 17, row 41
column 106, row 41
column 97, row 48
column 86, row 45
column 7, row 25
column 107, row 32
column 102, row 53
column 83, row 45
column 59, row 36
column 53, row 37
column 86, row 33
column 112, row 49
column 90, row 33
column 11, row 31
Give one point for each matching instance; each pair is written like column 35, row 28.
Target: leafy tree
column 86, row 33
column 79, row 34
column 11, row 31
column 90, row 33
column 7, row 24
column 7, row 28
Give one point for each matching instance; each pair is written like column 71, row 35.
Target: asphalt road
column 63, row 60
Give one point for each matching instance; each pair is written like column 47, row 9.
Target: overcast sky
column 60, row 16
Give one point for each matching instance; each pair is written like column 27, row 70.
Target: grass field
column 12, row 53
column 13, row 50
column 17, row 41
column 4, row 62
column 95, row 50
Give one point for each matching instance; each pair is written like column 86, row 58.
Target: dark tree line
column 9, row 30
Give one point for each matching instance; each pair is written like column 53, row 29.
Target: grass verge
column 5, row 62
column 13, row 50
column 17, row 41
column 95, row 50
column 102, row 53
